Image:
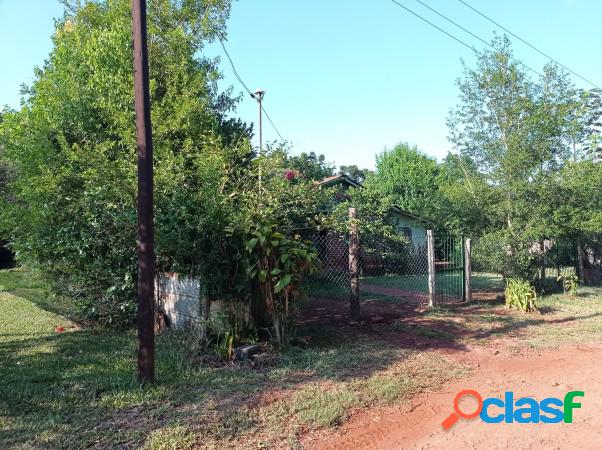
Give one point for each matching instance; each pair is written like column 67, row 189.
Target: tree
column 463, row 194
column 355, row 172
column 310, row 166
column 592, row 123
column 70, row 208
column 518, row 132
column 408, row 177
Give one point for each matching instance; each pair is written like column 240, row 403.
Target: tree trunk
column 580, row 266
column 542, row 263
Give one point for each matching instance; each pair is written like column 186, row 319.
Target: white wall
column 178, row 297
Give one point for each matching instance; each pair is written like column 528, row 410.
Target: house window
column 407, row 232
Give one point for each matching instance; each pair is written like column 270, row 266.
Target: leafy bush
column 270, row 215
column 68, row 194
column 520, row 295
column 569, row 280
column 505, row 253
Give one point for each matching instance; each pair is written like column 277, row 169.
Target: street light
column 258, row 95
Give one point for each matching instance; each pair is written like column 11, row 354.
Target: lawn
column 447, row 284
column 561, row 319
column 76, row 389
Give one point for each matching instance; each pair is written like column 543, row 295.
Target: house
column 412, row 226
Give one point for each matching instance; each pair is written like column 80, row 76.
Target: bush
column 506, row 254
column 520, row 295
column 569, row 280
column 67, row 158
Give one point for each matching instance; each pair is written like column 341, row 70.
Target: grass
column 561, row 319
column 76, row 389
column 448, row 284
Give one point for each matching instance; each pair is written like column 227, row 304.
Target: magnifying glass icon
column 453, row 417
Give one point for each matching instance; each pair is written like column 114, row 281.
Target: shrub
column 67, row 157
column 505, row 253
column 569, row 280
column 520, row 295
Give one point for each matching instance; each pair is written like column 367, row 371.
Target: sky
column 347, row 78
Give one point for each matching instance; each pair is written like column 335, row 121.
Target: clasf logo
column 522, row 410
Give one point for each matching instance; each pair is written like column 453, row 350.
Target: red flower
column 59, row 329
column 290, row 175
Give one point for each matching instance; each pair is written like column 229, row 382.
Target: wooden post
column 354, row 265
column 430, row 243
column 146, row 239
column 467, row 270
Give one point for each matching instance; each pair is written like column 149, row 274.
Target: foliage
column 280, row 264
column 310, row 166
column 407, row 177
column 520, row 295
column 575, row 208
column 374, row 217
column 270, row 216
column 519, row 134
column 355, row 172
column 569, row 280
column 590, row 117
column 70, row 205
column 462, row 197
column 508, row 254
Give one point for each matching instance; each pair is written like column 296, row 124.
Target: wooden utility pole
column 430, row 243
column 467, row 270
column 146, row 239
column 354, row 265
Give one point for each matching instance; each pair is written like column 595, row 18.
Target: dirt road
column 550, row 373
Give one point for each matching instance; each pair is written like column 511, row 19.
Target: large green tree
column 518, row 132
column 71, row 205
column 408, row 177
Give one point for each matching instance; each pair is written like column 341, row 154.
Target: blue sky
column 347, row 78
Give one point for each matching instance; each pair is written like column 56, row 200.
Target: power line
column 527, row 43
column 248, row 90
column 470, row 47
column 272, row 123
column 474, row 35
column 234, row 69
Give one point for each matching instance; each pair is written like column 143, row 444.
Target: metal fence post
column 467, row 270
column 430, row 241
column 354, row 265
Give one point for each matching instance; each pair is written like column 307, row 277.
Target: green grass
column 77, row 389
column 483, row 281
column 561, row 319
column 448, row 283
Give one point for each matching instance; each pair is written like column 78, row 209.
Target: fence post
column 467, row 270
column 430, row 242
column 354, row 265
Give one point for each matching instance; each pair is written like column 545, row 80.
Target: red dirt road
column 549, row 373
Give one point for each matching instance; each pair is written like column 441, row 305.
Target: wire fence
column 550, row 258
column 391, row 269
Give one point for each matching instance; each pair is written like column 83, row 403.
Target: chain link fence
column 391, row 269
column 549, row 258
